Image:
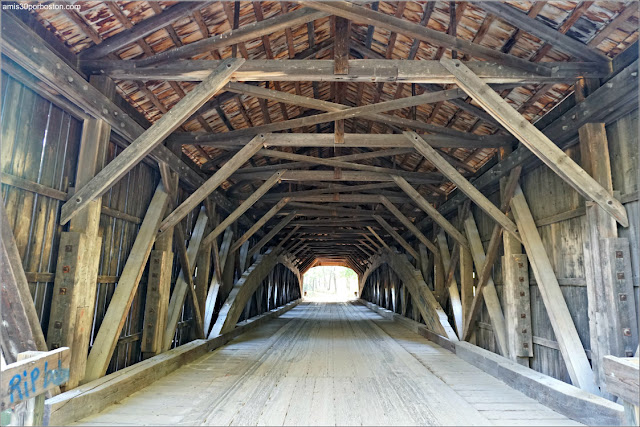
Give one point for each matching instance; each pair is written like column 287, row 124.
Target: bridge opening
column 330, row 284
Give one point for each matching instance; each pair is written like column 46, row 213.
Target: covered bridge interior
column 170, row 171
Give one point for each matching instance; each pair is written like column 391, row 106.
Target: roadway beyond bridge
column 329, row 364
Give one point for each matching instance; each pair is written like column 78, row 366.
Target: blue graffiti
column 14, row 386
column 53, row 377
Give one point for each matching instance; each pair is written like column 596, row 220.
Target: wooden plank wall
column 40, row 145
column 559, row 212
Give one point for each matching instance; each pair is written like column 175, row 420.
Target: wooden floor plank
column 328, row 364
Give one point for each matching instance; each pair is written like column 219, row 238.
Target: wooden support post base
column 73, row 299
column 157, row 302
column 612, row 311
column 518, row 308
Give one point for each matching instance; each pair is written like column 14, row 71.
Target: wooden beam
column 423, row 204
column 217, row 280
column 159, row 278
column 463, row 185
column 262, row 221
column 360, row 70
column 149, row 139
column 536, row 141
column 341, row 66
column 449, row 262
column 466, row 281
column 308, row 209
column 484, row 264
column 364, row 15
column 156, row 302
column 407, row 247
column 563, row 327
column 240, row 35
column 271, row 234
column 331, row 189
column 212, row 183
column 608, row 103
column 113, row 322
column 71, row 313
column 622, row 375
column 331, row 176
column 266, row 186
column 351, row 140
column 187, row 269
column 544, row 32
column 489, row 292
column 407, row 223
column 333, row 162
column 382, row 242
column 432, row 313
column 185, row 278
column 348, row 198
column 346, row 114
column 140, row 30
column 21, row 330
column 319, row 104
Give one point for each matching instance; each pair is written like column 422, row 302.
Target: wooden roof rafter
column 457, row 121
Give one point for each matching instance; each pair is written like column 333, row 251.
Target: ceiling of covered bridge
column 608, row 26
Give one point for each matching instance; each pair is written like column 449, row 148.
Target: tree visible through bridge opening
column 330, row 284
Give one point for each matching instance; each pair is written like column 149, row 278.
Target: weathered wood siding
column 40, row 145
column 549, row 200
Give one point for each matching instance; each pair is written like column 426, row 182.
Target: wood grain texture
column 561, row 321
column 106, row 339
column 350, row 364
column 536, row 141
column 149, row 139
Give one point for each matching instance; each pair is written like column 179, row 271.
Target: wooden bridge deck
column 329, row 364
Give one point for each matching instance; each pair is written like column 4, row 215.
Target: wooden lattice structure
column 171, row 169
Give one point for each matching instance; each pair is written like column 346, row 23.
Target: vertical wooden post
column 466, row 281
column 454, row 294
column 183, row 285
column 613, row 331
column 341, row 66
column 404, row 296
column 438, row 274
column 203, row 269
column 425, row 265
column 243, row 258
column 516, row 296
column 75, row 286
column 156, row 307
column 518, row 309
column 157, row 302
